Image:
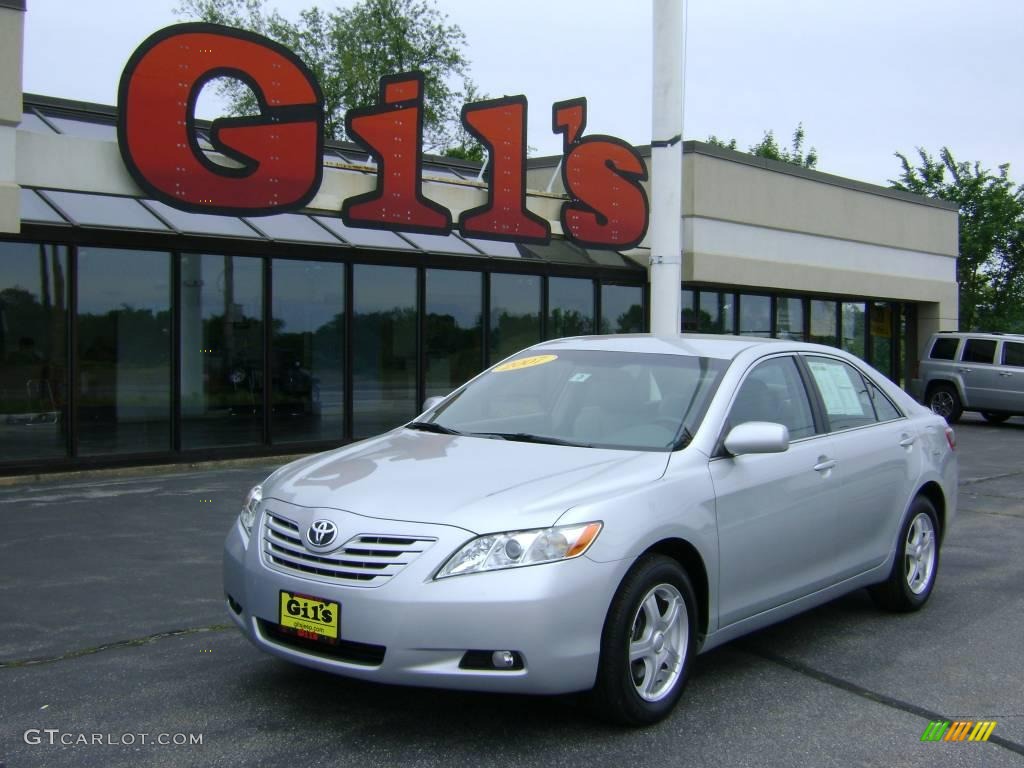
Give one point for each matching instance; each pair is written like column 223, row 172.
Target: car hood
column 479, row 484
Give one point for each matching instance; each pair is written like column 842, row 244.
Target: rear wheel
column 995, row 418
column 944, row 400
column 647, row 645
column 917, row 562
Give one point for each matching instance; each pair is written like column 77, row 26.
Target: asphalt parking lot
column 112, row 625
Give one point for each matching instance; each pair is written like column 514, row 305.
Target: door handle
column 824, row 464
column 907, row 441
column 964, row 370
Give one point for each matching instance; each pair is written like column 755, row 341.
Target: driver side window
column 773, row 391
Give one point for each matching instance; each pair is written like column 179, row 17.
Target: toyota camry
column 591, row 513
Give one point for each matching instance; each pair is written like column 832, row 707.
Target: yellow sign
column 525, row 362
column 310, row 615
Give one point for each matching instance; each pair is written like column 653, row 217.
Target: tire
column 944, row 400
column 916, row 564
column 625, row 692
column 994, row 418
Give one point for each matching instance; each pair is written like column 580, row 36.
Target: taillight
column 951, row 438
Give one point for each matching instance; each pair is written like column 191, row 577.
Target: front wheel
column 647, row 645
column 917, row 561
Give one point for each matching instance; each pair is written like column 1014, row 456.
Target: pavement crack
column 866, row 693
column 113, row 646
column 976, row 480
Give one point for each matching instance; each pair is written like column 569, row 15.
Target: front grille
column 344, row 650
column 366, row 560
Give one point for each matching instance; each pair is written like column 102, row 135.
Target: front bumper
column 552, row 615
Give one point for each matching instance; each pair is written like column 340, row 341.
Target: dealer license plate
column 310, row 617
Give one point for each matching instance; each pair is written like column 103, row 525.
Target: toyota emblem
column 322, row 533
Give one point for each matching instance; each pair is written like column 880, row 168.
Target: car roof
column 688, row 344
column 995, row 335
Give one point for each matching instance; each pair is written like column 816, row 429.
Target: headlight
column 251, row 507
column 515, row 549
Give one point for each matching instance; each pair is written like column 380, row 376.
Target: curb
column 151, row 469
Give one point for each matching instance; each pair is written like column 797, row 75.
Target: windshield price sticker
column 526, row 362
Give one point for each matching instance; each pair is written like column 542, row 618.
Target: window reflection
column 307, row 351
column 570, row 307
column 454, row 329
column 384, row 319
column 124, row 349
column 854, row 338
column 823, row 322
column 881, row 337
column 33, row 351
column 515, row 314
column 716, row 312
column 755, row 315
column 789, row 318
column 622, row 309
column 221, row 350
column 688, row 305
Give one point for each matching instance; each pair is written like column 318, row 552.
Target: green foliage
column 769, row 147
column 990, row 268
column 349, row 49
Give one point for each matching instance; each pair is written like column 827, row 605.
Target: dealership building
column 134, row 332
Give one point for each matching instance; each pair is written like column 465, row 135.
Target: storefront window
column 307, row 351
column 853, row 328
column 221, row 350
column 755, row 315
column 33, row 351
column 789, row 318
column 570, row 307
column 124, row 351
column 384, row 317
column 823, row 322
column 688, row 304
column 881, row 337
column 716, row 312
column 622, row 309
column 454, row 328
column 515, row 314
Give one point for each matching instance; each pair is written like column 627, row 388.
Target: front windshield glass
column 593, row 398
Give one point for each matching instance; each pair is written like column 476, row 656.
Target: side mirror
column 757, row 437
column 430, row 402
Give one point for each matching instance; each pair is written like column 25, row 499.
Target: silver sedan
column 593, row 512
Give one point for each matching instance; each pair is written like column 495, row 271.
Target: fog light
column 503, row 659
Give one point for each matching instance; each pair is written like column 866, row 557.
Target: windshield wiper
column 526, row 437
column 432, row 426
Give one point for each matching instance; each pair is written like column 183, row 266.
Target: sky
column 866, row 79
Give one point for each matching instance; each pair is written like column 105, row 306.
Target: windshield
column 593, row 398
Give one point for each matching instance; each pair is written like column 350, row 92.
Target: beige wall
column 12, row 34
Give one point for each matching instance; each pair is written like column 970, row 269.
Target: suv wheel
column 944, row 400
column 995, row 418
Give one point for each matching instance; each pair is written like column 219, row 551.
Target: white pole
column 667, row 168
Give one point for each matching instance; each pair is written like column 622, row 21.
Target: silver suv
column 972, row 371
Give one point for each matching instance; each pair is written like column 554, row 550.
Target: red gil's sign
column 279, row 151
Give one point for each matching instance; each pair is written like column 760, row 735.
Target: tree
column 349, row 49
column 769, row 147
column 990, row 268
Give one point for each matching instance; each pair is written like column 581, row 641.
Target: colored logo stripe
column 982, row 730
column 935, row 730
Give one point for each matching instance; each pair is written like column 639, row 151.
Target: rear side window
column 1013, row 354
column 944, row 348
column 844, row 393
column 884, row 409
column 979, row 351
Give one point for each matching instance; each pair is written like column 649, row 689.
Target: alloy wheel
column 658, row 642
